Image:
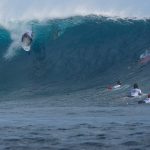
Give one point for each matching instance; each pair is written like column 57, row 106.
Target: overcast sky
column 29, row 9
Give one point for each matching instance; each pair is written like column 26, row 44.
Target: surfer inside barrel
column 27, row 38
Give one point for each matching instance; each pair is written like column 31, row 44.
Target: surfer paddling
column 116, row 86
column 147, row 100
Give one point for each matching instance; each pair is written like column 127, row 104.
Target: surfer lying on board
column 116, row 86
column 147, row 100
column 27, row 37
column 135, row 92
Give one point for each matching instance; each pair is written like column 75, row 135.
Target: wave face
column 73, row 49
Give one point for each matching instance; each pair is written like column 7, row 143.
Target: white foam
column 16, row 30
column 11, row 10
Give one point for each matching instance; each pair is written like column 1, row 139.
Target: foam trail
column 12, row 50
column 16, row 31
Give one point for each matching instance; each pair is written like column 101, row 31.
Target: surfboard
column 25, row 47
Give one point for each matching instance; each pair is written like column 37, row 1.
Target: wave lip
column 40, row 10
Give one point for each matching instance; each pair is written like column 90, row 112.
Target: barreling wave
column 76, row 48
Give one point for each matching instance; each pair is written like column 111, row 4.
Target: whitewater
column 58, row 98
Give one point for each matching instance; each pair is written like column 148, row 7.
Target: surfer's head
column 148, row 96
column 135, row 86
column 119, row 82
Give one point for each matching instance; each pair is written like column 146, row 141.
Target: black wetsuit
column 25, row 35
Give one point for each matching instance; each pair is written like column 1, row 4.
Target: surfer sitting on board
column 27, row 37
column 147, row 100
column 135, row 92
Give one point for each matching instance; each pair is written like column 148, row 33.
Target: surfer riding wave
column 27, row 37
column 26, row 41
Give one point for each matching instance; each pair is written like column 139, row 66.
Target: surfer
column 27, row 41
column 147, row 100
column 27, row 37
column 135, row 92
column 116, row 86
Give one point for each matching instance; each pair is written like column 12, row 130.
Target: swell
column 74, row 49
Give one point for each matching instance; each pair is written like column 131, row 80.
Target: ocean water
column 75, row 121
column 56, row 97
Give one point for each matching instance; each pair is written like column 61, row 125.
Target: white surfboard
column 25, row 47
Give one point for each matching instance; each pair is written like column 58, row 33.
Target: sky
column 40, row 9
